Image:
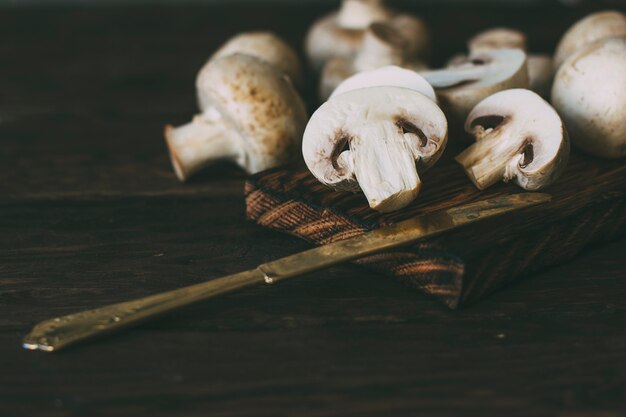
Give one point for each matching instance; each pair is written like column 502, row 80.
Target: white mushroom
column 540, row 74
column 340, row 34
column 589, row 92
column 595, row 27
column 383, row 45
column 461, row 87
column 497, row 38
column 539, row 65
column 267, row 47
column 391, row 76
column 375, row 138
column 519, row 138
column 251, row 114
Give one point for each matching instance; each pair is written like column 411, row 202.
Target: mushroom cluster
column 250, row 112
column 386, row 117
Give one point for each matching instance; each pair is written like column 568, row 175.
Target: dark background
column 91, row 213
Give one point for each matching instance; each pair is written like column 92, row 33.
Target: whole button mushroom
column 595, row 27
column 267, row 47
column 589, row 92
column 519, row 138
column 375, row 138
column 383, row 45
column 460, row 88
column 341, row 33
column 251, row 115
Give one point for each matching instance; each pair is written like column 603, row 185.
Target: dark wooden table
column 91, row 213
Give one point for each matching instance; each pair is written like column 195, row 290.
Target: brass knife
column 57, row 333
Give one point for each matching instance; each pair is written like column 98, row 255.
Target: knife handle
column 59, row 332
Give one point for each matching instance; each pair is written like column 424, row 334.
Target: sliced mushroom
column 267, row 47
column 251, row 115
column 382, row 46
column 519, row 138
column 461, row 87
column 497, row 38
column 595, row 27
column 589, row 92
column 387, row 76
column 375, row 138
column 340, row 34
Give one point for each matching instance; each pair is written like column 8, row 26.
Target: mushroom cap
column 589, row 92
column 267, row 47
column 523, row 133
column 497, row 38
column 459, row 88
column 259, row 103
column 336, row 123
column 594, row 27
column 387, row 76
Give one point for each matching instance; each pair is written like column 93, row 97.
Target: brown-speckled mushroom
column 251, row 114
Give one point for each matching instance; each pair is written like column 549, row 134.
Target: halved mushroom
column 375, row 138
column 589, row 92
column 461, row 87
column 383, row 45
column 391, row 76
column 340, row 34
column 519, row 138
column 251, row 115
column 595, row 27
column 267, row 47
column 497, row 38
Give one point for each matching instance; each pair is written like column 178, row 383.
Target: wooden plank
column 588, row 207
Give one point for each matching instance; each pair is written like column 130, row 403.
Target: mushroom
column 460, row 88
column 595, row 27
column 267, row 47
column 539, row 65
column 251, row 114
column 387, row 76
column 540, row 74
column 375, row 138
column 589, row 92
column 497, row 38
column 383, row 45
column 340, row 34
column 519, row 138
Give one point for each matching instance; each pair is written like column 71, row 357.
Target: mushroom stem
column 359, row 14
column 490, row 160
column 384, row 167
column 201, row 142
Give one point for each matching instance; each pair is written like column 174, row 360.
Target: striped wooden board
column 587, row 210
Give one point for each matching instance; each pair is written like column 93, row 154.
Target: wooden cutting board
column 588, row 209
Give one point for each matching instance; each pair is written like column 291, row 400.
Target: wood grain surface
column 91, row 213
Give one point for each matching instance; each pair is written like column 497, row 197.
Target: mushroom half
column 519, row 138
column 375, row 139
column 461, row 87
column 251, row 114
